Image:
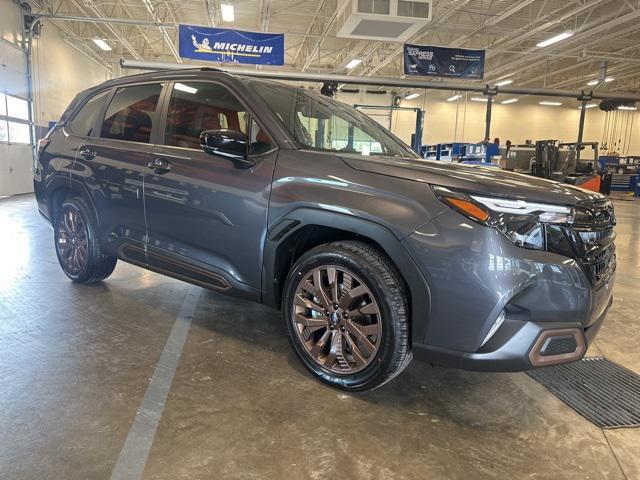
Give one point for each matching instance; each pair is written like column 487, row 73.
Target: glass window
column 4, row 131
column 84, row 121
column 319, row 123
column 199, row 106
column 19, row 133
column 17, row 108
column 3, row 104
column 131, row 113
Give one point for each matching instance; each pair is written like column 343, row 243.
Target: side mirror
column 227, row 143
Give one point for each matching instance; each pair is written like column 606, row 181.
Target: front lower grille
column 589, row 239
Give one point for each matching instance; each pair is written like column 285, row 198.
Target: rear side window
column 84, row 121
column 131, row 113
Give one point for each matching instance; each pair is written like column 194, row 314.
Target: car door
column 113, row 163
column 206, row 214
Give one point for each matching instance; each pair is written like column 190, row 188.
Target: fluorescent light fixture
column 228, row 14
column 555, row 39
column 102, row 44
column 591, row 83
column 624, row 107
column 502, row 83
column 479, row 99
column 588, row 105
column 454, row 98
column 185, row 88
column 511, row 100
column 412, row 96
column 550, row 104
column 353, row 63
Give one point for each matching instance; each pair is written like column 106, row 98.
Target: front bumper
column 517, row 346
column 552, row 311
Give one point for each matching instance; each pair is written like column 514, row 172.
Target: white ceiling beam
column 163, row 30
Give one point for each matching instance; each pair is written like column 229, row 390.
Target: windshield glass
column 319, row 123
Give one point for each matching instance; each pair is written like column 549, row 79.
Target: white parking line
column 134, row 453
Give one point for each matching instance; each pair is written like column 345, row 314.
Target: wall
column 464, row 120
column 517, row 122
column 60, row 72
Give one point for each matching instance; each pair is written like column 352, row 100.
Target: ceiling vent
column 388, row 20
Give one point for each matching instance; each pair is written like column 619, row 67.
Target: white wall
column 464, row 121
column 60, row 72
column 517, row 122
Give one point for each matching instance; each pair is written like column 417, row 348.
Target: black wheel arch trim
column 385, row 238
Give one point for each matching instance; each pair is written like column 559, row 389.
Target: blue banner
column 231, row 46
column 443, row 62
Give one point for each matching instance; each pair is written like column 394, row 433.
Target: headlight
column 521, row 222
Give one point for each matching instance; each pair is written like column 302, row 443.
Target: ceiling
column 604, row 31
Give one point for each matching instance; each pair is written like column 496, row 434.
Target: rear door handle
column 159, row 165
column 88, row 153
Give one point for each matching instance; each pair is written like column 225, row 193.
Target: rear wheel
column 76, row 244
column 346, row 312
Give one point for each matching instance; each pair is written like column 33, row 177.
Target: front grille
column 589, row 239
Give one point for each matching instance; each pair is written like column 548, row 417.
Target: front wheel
column 77, row 245
column 346, row 312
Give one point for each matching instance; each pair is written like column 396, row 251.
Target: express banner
column 443, row 62
column 232, row 46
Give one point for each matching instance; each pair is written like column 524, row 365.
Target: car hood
column 472, row 178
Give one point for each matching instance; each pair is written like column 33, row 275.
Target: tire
column 361, row 340
column 75, row 230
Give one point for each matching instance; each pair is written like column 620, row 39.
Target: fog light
column 494, row 327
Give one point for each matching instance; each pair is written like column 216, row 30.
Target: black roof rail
column 211, row 69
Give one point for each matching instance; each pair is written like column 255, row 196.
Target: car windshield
column 319, row 123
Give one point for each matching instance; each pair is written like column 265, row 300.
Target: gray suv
column 278, row 195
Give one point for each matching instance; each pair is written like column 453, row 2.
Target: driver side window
column 198, row 106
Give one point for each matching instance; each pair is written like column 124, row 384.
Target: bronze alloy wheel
column 72, row 241
column 337, row 319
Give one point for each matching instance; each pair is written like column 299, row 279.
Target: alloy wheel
column 72, row 241
column 337, row 319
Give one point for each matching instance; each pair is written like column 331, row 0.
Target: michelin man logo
column 201, row 47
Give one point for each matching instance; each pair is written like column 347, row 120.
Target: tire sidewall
column 388, row 346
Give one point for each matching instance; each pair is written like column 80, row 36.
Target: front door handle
column 159, row 165
column 88, row 153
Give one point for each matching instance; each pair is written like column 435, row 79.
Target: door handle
column 88, row 153
column 159, row 165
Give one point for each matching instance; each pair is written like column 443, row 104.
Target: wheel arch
column 304, row 229
column 58, row 193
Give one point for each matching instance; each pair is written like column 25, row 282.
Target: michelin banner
column 231, row 46
column 443, row 62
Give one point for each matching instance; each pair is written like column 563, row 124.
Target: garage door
column 15, row 150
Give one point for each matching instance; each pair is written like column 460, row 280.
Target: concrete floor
column 75, row 362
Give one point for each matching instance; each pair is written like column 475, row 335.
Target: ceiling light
column 511, row 100
column 502, row 83
column 625, row 107
column 550, row 104
column 185, row 88
column 102, row 44
column 353, row 63
column 589, row 105
column 227, row 12
column 555, row 39
column 479, row 99
column 591, row 83
column 454, row 98
column 412, row 96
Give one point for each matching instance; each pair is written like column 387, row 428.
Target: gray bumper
column 474, row 273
